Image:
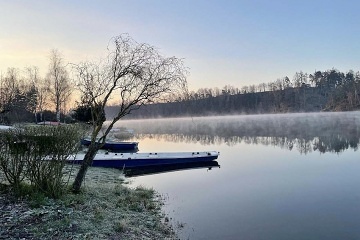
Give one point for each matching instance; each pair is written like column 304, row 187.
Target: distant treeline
column 329, row 90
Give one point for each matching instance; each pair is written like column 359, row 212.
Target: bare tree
column 132, row 74
column 244, row 89
column 10, row 86
column 262, row 87
column 58, row 82
column 37, row 84
column 299, row 79
column 252, row 88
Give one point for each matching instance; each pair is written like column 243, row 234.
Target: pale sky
column 234, row 42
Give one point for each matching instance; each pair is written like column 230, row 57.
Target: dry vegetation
column 105, row 209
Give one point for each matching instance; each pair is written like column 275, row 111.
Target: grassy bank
column 106, row 209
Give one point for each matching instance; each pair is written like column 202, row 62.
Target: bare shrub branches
column 38, row 155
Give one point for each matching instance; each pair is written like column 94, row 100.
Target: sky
column 228, row 42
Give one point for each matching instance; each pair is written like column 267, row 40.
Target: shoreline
column 105, row 209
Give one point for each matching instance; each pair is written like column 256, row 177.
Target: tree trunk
column 87, row 161
column 58, row 114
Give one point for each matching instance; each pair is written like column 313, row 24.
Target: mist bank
column 306, row 132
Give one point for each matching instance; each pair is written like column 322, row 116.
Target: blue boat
column 114, row 145
column 126, row 160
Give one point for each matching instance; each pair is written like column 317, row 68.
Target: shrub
column 38, row 154
column 14, row 154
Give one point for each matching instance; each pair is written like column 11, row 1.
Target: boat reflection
column 141, row 171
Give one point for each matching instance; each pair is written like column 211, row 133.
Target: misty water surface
column 286, row 176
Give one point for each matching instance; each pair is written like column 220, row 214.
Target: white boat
column 122, row 160
column 5, row 128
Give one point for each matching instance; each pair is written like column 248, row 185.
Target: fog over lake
column 283, row 176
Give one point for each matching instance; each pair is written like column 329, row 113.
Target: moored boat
column 123, row 160
column 113, row 145
column 6, row 128
column 49, row 123
column 122, row 133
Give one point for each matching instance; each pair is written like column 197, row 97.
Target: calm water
column 281, row 177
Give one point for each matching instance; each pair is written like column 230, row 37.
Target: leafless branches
column 132, row 74
column 59, row 86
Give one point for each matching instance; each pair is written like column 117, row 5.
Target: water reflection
column 334, row 144
column 259, row 193
column 322, row 132
column 150, row 170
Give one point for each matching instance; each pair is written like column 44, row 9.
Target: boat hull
column 114, row 146
column 128, row 160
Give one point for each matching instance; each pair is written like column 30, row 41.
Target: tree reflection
column 322, row 132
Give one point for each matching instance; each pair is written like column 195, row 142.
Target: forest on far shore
column 329, row 90
column 25, row 100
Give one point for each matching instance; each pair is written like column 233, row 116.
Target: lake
column 283, row 176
